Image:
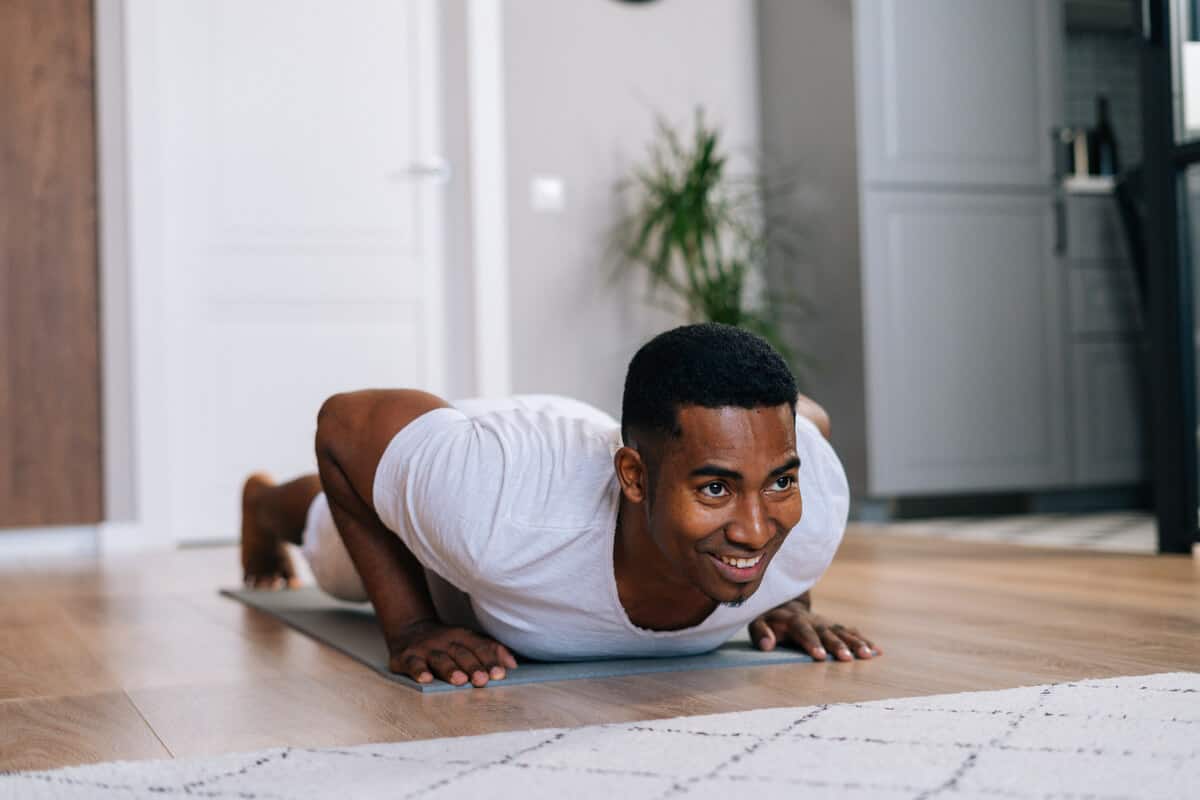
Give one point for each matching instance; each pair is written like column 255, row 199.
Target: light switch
column 547, row 193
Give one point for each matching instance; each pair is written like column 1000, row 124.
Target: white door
column 964, row 331
column 957, row 91
column 300, row 249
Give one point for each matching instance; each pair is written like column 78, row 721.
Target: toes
column 264, row 582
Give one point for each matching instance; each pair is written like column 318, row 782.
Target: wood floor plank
column 165, row 643
column 247, row 715
column 210, row 675
column 292, row 652
column 49, row 659
column 53, row 732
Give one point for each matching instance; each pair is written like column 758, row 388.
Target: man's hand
column 793, row 623
column 428, row 648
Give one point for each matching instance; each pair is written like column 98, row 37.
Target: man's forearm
column 394, row 579
column 806, row 599
column 353, row 431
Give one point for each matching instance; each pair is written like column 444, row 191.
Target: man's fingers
column 493, row 654
column 413, row 666
column 834, row 643
column 455, row 655
column 499, row 659
column 469, row 663
column 486, row 651
column 876, row 649
column 507, row 659
column 762, row 635
column 858, row 644
column 806, row 638
column 446, row 667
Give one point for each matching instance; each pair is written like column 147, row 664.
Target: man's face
column 725, row 491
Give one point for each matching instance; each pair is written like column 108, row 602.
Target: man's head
column 708, row 419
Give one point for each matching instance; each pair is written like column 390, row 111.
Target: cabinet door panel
column 957, row 91
column 1107, row 441
column 1104, row 300
column 1094, row 230
column 964, row 343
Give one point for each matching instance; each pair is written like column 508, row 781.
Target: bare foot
column 265, row 560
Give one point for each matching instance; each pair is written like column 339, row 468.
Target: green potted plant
column 701, row 234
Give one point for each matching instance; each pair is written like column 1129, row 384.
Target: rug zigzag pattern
column 1130, row 737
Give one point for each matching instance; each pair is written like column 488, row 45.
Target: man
column 539, row 524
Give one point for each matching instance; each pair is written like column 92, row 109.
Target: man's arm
column 353, row 430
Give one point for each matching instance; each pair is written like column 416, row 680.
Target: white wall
column 583, row 81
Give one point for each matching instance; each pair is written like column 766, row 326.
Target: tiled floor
column 1114, row 531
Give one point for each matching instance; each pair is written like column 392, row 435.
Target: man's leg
column 273, row 516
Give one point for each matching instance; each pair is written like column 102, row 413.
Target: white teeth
column 743, row 563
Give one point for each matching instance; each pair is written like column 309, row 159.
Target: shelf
column 1090, row 184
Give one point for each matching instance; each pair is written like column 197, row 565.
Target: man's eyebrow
column 712, row 470
column 716, row 472
column 790, row 465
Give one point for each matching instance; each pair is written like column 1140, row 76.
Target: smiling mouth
column 739, row 570
column 734, row 561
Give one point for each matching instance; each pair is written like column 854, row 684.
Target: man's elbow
column 332, row 422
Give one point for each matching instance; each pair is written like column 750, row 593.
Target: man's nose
column 752, row 528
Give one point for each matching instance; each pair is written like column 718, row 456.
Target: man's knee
column 807, row 407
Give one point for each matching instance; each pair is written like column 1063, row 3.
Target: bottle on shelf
column 1102, row 143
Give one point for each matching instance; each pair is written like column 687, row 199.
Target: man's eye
column 713, row 489
column 783, row 483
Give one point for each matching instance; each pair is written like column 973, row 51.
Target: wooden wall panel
column 50, row 471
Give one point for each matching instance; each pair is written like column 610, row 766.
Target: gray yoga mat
column 351, row 628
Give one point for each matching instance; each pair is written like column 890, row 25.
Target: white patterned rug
column 1133, row 737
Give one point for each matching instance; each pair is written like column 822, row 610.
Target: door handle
column 435, row 169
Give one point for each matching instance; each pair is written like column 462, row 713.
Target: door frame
column 134, row 391
column 1170, row 313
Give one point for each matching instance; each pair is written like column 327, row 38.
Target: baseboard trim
column 122, row 538
column 48, row 542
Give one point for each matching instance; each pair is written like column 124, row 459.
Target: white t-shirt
column 514, row 502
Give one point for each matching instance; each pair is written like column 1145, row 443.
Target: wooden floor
column 142, row 659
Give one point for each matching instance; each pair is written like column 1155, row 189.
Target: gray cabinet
column 1108, row 445
column 1103, row 329
column 959, row 92
column 962, row 318
column 959, row 344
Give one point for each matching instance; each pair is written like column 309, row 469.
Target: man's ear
column 632, row 474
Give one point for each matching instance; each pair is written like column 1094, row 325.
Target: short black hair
column 708, row 364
